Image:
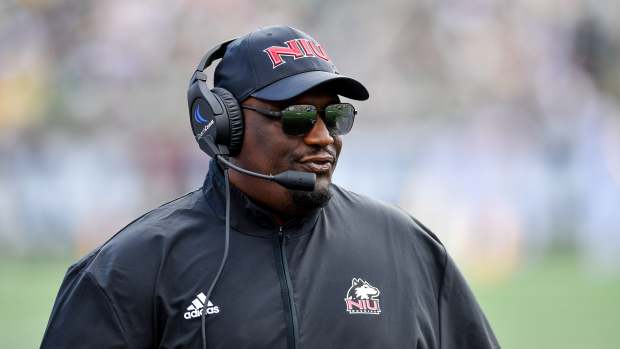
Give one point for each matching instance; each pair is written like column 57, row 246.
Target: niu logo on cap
column 296, row 48
column 362, row 298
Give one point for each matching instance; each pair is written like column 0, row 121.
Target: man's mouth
column 319, row 164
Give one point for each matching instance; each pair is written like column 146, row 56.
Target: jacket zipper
column 287, row 290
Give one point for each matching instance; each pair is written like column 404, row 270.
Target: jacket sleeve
column 462, row 322
column 83, row 316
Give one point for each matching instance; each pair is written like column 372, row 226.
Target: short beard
column 309, row 200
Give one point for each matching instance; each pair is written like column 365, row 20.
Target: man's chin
column 309, row 200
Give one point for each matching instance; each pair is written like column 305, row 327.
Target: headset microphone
column 295, row 180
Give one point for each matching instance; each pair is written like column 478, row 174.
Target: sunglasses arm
column 270, row 113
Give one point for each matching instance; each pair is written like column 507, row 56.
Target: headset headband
column 214, row 54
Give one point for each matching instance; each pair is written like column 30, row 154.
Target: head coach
column 269, row 253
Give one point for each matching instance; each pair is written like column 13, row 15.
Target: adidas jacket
column 354, row 274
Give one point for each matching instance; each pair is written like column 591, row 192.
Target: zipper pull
column 282, row 235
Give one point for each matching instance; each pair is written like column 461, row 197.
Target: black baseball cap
column 278, row 63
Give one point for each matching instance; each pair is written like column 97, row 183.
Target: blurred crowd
column 496, row 123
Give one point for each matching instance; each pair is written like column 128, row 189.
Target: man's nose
column 319, row 134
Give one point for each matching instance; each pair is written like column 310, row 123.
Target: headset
column 217, row 124
column 214, row 114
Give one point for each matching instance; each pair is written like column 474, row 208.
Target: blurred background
column 496, row 123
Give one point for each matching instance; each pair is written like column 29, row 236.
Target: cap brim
column 295, row 85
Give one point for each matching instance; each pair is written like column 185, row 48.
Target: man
column 321, row 268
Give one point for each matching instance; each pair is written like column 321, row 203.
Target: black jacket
column 354, row 274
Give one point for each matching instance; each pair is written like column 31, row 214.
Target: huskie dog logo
column 362, row 298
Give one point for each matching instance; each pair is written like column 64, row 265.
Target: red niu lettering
column 294, row 48
column 362, row 305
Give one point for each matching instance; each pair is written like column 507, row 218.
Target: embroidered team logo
column 296, row 48
column 362, row 298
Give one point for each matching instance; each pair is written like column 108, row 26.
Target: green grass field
column 554, row 304
column 549, row 305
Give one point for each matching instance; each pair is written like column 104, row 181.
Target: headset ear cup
column 235, row 118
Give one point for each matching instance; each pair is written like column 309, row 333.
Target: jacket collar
column 247, row 216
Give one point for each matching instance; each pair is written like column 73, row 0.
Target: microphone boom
column 294, row 180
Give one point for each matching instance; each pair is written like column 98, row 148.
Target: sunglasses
column 300, row 119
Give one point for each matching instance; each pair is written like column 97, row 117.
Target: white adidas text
column 196, row 313
column 198, row 307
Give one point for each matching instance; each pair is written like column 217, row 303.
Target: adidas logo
column 198, row 306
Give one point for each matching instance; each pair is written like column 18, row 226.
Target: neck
column 272, row 196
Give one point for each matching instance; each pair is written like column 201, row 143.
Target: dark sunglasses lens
column 339, row 117
column 298, row 119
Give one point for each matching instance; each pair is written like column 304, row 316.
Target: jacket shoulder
column 142, row 244
column 117, row 282
column 380, row 214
